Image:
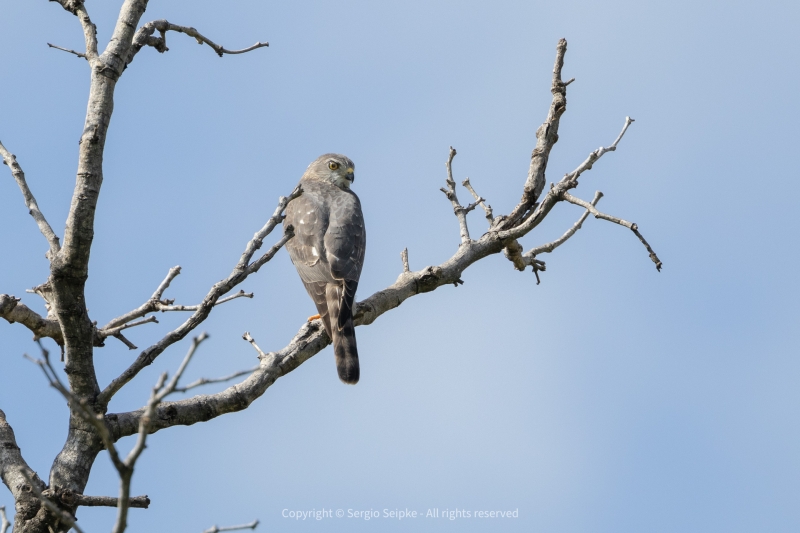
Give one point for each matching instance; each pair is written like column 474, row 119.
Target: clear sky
column 610, row 398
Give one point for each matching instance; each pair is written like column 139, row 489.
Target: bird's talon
column 311, row 318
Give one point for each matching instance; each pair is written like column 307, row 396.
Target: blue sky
column 610, row 398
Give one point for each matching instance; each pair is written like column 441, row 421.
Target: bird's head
column 333, row 168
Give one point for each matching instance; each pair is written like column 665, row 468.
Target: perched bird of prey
column 328, row 251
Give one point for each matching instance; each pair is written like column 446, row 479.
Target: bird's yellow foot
column 313, row 317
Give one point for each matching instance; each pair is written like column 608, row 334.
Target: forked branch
column 550, row 246
column 630, row 225
column 486, row 207
column 597, row 154
column 557, row 191
column 77, row 8
column 459, row 210
column 82, row 56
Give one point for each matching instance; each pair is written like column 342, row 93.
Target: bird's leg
column 313, row 317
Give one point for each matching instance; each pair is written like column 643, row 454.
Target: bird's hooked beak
column 350, row 174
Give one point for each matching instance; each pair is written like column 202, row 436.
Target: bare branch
column 138, row 502
column 240, row 294
column 144, row 37
column 69, row 268
column 206, row 381
column 150, row 306
column 261, row 261
column 217, row 529
column 77, row 8
column 4, row 523
column 124, row 340
column 67, row 50
column 630, row 225
column 164, row 285
column 550, row 246
column 102, row 335
column 276, row 218
column 557, row 191
column 115, row 331
column 404, row 258
column 479, row 200
column 546, row 137
column 597, row 154
column 450, row 192
column 242, row 270
column 30, row 202
column 251, row 340
column 13, row 310
column 15, row 472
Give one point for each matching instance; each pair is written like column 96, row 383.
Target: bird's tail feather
column 340, row 300
column 346, row 351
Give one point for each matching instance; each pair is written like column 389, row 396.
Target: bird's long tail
column 340, row 305
column 346, row 351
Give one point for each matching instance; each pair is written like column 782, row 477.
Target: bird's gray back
column 330, row 239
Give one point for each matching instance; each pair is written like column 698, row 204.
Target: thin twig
column 67, row 50
column 404, row 258
column 450, row 192
column 149, row 306
column 240, row 294
column 217, row 529
column 597, row 154
column 4, row 523
column 550, row 246
column 164, row 285
column 207, row 381
column 77, row 8
column 30, row 202
column 249, row 338
column 486, row 207
column 630, row 225
column 258, row 239
column 114, row 331
column 124, row 340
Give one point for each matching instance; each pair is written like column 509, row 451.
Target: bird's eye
column 333, row 165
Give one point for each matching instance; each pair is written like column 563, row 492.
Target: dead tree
column 51, row 505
